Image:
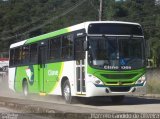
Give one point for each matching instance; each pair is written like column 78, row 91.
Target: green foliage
column 19, row 16
column 153, row 86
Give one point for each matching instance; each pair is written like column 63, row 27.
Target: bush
column 153, row 86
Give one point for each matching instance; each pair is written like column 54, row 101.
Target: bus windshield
column 116, row 53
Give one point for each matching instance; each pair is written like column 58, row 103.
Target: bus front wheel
column 25, row 88
column 66, row 92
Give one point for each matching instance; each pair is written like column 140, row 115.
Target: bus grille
column 119, row 76
column 122, row 83
column 120, row 89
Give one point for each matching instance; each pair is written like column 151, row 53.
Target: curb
column 51, row 112
column 28, row 108
column 152, row 96
column 43, row 112
column 57, row 111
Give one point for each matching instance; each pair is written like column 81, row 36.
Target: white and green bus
column 98, row 58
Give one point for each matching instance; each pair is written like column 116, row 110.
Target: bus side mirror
column 85, row 46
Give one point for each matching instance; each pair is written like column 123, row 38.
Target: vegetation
column 153, row 82
column 153, row 86
column 20, row 19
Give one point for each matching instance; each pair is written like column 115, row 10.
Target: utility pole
column 100, row 10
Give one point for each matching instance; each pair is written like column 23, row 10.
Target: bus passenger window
column 67, row 47
column 25, row 54
column 17, row 53
column 79, row 52
column 33, row 53
column 11, row 62
column 54, row 49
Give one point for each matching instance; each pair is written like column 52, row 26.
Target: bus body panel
column 48, row 79
column 110, row 86
column 53, row 74
column 11, row 81
column 29, row 73
column 67, row 71
column 92, row 90
column 113, row 78
column 56, row 33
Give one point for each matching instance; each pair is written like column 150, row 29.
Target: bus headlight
column 141, row 80
column 97, row 81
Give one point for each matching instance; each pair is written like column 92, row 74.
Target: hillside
column 21, row 19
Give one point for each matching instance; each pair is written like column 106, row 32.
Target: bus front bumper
column 93, row 90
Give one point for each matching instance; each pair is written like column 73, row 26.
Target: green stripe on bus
column 48, row 35
column 59, row 76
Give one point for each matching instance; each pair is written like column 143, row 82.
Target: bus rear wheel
column 117, row 99
column 25, row 88
column 66, row 92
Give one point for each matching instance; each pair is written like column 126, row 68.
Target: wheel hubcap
column 67, row 92
column 25, row 91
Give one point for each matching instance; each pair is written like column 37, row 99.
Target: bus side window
column 25, row 54
column 17, row 53
column 67, row 47
column 33, row 53
column 54, row 49
column 79, row 52
column 11, row 61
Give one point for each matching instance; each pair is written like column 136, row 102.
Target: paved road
column 6, row 113
column 131, row 104
column 6, row 110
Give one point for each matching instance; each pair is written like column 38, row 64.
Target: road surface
column 6, row 113
column 6, row 110
column 130, row 104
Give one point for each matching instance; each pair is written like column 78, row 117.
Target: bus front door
column 80, row 66
column 41, row 71
column 80, row 76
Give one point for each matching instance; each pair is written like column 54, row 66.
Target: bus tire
column 117, row 99
column 25, row 88
column 66, row 92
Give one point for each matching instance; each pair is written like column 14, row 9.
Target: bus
column 90, row 59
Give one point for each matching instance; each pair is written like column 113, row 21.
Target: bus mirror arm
column 85, row 46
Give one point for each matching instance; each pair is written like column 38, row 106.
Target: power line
column 25, row 25
column 47, row 22
column 90, row 1
column 21, row 27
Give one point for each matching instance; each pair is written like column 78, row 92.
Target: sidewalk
column 32, row 106
column 152, row 96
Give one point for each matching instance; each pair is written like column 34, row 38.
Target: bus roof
column 83, row 25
